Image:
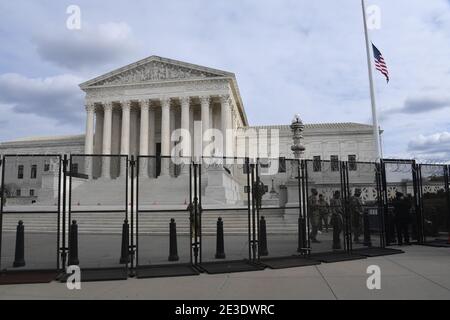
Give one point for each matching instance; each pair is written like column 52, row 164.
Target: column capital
column 204, row 100
column 145, row 103
column 90, row 107
column 107, row 106
column 126, row 104
column 185, row 101
column 225, row 99
column 165, row 102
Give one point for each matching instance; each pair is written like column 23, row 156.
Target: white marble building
column 135, row 109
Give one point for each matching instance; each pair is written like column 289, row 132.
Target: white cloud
column 92, row 46
column 434, row 146
column 57, row 97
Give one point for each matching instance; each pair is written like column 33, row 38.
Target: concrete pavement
column 420, row 273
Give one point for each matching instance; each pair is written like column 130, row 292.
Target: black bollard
column 366, row 223
column 220, row 247
column 19, row 259
column 173, row 248
column 73, row 245
column 124, row 255
column 263, row 252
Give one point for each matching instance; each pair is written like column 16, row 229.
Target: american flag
column 380, row 64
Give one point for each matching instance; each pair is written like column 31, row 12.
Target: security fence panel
column 434, row 202
column 225, row 201
column 278, row 199
column 401, row 211
column 31, row 189
column 98, row 224
column 326, row 219
column 365, row 208
column 164, row 209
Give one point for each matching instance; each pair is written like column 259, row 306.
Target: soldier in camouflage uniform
column 313, row 204
column 324, row 210
column 336, row 219
column 356, row 214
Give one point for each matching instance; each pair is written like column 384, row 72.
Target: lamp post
column 297, row 128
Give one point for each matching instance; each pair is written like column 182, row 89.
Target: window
column 352, row 163
column 317, row 164
column 20, row 172
column 74, row 169
column 31, row 192
column 33, row 171
column 334, row 163
column 18, row 193
column 46, row 167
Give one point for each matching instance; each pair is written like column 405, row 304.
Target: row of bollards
column 19, row 260
column 220, row 241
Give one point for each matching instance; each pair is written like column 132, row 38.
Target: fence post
column 73, row 244
column 2, row 201
column 124, row 255
column 173, row 247
column 19, row 257
column 220, row 248
column 263, row 238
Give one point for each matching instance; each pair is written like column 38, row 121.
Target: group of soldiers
column 323, row 213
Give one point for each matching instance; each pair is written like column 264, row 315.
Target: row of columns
column 147, row 129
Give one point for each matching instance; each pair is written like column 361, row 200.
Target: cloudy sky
column 297, row 56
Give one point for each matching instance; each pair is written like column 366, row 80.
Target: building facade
column 138, row 110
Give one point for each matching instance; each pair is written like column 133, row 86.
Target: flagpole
column 376, row 132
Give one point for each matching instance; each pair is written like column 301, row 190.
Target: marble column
column 165, row 136
column 152, row 142
column 125, row 137
column 89, row 140
column 143, row 140
column 107, row 126
column 185, row 134
column 225, row 116
column 204, row 101
column 98, row 141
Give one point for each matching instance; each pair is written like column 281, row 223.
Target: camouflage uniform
column 336, row 221
column 356, row 214
column 314, row 215
column 324, row 211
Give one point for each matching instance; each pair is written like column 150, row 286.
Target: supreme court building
column 135, row 110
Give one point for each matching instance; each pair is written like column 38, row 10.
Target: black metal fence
column 30, row 217
column 132, row 214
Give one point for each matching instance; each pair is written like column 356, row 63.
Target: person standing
column 336, row 219
column 402, row 208
column 356, row 212
column 324, row 210
column 313, row 207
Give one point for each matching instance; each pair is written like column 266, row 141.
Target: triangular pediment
column 155, row 69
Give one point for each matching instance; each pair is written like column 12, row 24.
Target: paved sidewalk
column 420, row 273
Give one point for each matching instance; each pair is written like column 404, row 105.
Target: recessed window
column 46, row 167
column 20, row 172
column 352, row 166
column 317, row 164
column 31, row 192
column 18, row 193
column 33, row 171
column 334, row 163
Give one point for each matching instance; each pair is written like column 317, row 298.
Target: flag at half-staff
column 380, row 64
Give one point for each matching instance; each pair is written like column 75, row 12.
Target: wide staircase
column 156, row 223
